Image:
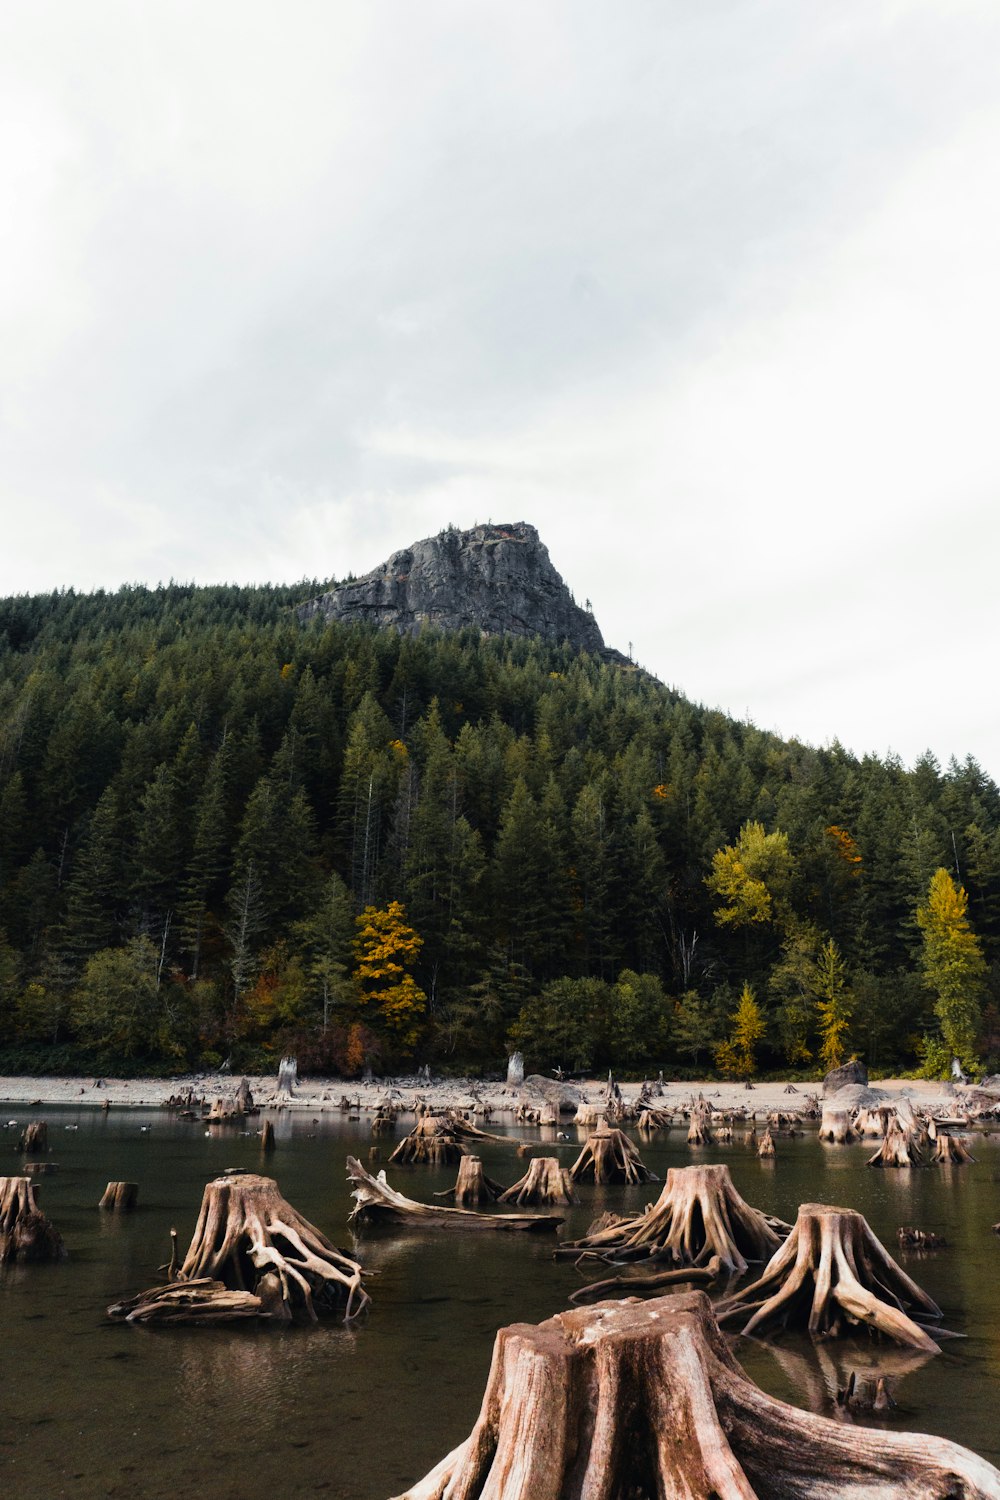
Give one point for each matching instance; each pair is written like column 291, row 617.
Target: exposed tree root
column 472, row 1186
column 25, row 1232
column 545, row 1181
column 375, row 1200
column 644, row 1399
column 609, row 1156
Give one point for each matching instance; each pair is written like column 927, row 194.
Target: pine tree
column 953, row 965
column 835, row 1005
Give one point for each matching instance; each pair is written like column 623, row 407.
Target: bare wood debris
column 376, row 1201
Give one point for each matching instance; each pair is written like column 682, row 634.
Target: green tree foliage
column 737, row 1056
column 835, row 1005
column 953, row 966
column 752, row 878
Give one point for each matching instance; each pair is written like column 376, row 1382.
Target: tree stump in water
column 898, row 1149
column 267, row 1142
column 645, row 1399
column 698, row 1215
column 383, row 1123
column 545, row 1181
column 951, row 1148
column 377, row 1201
column 120, row 1197
column 700, row 1128
column 836, row 1125
column 249, row 1240
column 587, row 1114
column 25, row 1232
column 650, row 1120
column 765, row 1146
column 609, row 1156
column 34, row 1139
column 472, row 1186
column 431, row 1140
column 833, row 1275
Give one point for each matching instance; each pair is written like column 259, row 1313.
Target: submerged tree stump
column 698, row 1215
column 700, row 1127
column 375, row 1200
column 765, row 1146
column 267, row 1141
column 836, row 1124
column 587, row 1114
column 34, row 1139
column 898, row 1149
column 120, row 1197
column 609, row 1156
column 545, row 1181
column 249, row 1240
column 650, row 1120
column 472, row 1186
column 833, row 1275
column 431, row 1140
column 951, row 1148
column 25, row 1232
column 645, row 1399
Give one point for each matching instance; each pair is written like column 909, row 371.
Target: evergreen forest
column 226, row 836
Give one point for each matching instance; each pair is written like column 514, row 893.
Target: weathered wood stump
column 650, row 1120
column 836, row 1125
column 40, row 1168
column 472, row 1186
column 120, row 1197
column 898, row 1149
column 951, row 1148
column 700, row 1127
column 431, row 1140
column 34, row 1139
column 698, row 1215
column 545, row 1181
column 267, row 1141
column 645, row 1399
column 911, row 1238
column 251, row 1241
column 244, row 1098
column 609, row 1156
column 25, row 1232
column 383, row 1123
column 765, row 1146
column 587, row 1114
column 833, row 1275
column 376, row 1201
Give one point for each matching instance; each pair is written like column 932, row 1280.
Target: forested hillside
column 223, row 833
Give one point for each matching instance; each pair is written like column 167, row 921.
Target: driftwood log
column 376, row 1201
column 648, row 1286
column 472, row 1186
column 609, row 1156
column 250, row 1241
column 833, row 1275
column 34, row 1139
column 120, row 1197
column 25, row 1232
column 645, row 1399
column 698, row 1215
column 544, row 1182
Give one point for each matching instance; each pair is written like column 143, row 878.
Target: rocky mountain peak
column 499, row 579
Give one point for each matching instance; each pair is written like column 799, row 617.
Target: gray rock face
column 852, row 1072
column 497, row 578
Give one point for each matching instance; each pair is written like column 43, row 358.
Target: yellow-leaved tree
column 385, row 949
column 737, row 1058
column 954, row 970
column 835, row 1004
column 752, row 878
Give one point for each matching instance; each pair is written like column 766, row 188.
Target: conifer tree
column 953, row 965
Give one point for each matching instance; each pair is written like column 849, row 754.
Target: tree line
column 223, row 834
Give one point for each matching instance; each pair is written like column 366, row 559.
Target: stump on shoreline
column 546, row 1181
column 833, row 1275
column 120, row 1197
column 645, row 1399
column 25, row 1233
column 609, row 1156
column 250, row 1241
column 698, row 1215
column 376, row 1201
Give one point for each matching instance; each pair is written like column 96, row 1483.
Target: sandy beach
column 323, row 1095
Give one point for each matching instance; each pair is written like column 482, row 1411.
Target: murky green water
column 90, row 1408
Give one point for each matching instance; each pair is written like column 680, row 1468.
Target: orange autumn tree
column 385, row 949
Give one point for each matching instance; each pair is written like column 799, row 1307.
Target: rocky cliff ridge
column 499, row 579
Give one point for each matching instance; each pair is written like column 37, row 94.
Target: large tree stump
column 545, row 1181
column 120, row 1197
column 949, row 1149
column 587, row 1114
column 836, row 1124
column 898, row 1149
column 765, row 1146
column 651, row 1120
column 645, row 1399
column 700, row 1127
column 25, row 1232
column 34, row 1139
column 609, row 1156
column 431, row 1140
column 251, row 1241
column 376, row 1201
column 833, row 1275
column 472, row 1186
column 698, row 1215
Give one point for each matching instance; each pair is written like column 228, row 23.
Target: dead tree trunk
column 431, row 1140
column 587, row 1114
column 898, row 1149
column 120, row 1197
column 836, row 1125
column 375, row 1200
column 765, row 1146
column 544, row 1182
column 648, row 1286
column 700, row 1128
column 472, row 1186
column 698, row 1215
column 248, row 1240
column 951, row 1148
column 834, row 1275
column 650, row 1120
column 609, row 1156
column 645, row 1398
column 25, row 1232
column 34, row 1138
column 267, row 1142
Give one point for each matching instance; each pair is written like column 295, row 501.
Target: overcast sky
column 707, row 290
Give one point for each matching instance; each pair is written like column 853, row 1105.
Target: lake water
column 93, row 1408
